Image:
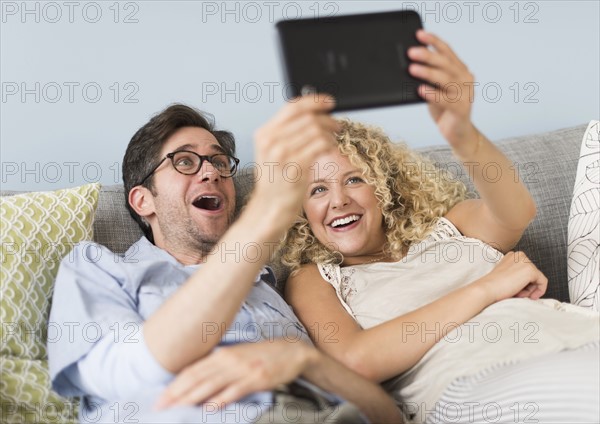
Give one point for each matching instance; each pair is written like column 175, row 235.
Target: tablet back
column 360, row 59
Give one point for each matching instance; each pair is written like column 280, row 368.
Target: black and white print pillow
column 584, row 224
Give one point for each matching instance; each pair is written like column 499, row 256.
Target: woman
column 403, row 279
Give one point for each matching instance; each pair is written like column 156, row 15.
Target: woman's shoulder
column 441, row 228
column 304, row 280
column 313, row 272
column 304, row 271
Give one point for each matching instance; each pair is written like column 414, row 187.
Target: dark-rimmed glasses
column 189, row 163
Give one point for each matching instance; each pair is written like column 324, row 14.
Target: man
column 186, row 335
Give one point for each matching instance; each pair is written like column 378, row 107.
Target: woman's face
column 342, row 209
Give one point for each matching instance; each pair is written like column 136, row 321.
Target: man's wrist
column 312, row 358
column 277, row 218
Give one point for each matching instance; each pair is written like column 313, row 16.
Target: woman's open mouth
column 345, row 222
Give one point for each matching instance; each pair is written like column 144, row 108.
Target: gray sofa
column 546, row 162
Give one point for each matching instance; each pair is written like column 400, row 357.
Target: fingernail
column 413, row 68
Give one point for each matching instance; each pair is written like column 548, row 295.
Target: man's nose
column 207, row 172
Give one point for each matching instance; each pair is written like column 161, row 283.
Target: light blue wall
column 543, row 56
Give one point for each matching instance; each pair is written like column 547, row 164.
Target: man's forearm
column 297, row 135
column 213, row 294
column 328, row 374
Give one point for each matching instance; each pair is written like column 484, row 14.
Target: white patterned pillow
column 584, row 224
column 36, row 231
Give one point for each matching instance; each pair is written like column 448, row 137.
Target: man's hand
column 288, row 145
column 230, row 373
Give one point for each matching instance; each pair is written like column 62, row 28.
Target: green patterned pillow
column 36, row 231
column 26, row 395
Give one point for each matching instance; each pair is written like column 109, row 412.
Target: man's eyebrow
column 191, row 147
column 331, row 176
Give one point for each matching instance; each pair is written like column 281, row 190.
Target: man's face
column 190, row 212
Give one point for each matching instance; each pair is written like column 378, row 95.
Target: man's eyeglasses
column 189, row 163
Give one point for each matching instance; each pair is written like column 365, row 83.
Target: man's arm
column 112, row 362
column 233, row 372
column 329, row 374
column 300, row 132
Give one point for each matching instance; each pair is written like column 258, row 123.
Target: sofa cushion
column 27, row 397
column 37, row 230
column 546, row 163
column 584, row 235
column 113, row 226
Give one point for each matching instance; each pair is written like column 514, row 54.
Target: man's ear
column 142, row 201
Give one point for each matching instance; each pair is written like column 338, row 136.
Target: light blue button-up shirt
column 96, row 347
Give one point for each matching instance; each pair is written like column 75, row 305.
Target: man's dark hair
column 143, row 151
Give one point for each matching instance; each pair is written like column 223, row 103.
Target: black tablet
column 360, row 59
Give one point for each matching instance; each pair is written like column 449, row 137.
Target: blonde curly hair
column 411, row 192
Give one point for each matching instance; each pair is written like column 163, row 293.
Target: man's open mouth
column 209, row 203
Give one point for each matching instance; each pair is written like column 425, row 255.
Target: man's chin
column 209, row 234
column 220, row 221
column 204, row 246
column 210, row 239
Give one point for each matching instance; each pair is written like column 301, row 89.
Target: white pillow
column 583, row 253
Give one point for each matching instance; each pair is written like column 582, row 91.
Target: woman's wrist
column 467, row 145
column 482, row 291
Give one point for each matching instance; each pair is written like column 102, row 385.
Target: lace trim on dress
column 340, row 279
column 328, row 272
column 444, row 229
column 347, row 288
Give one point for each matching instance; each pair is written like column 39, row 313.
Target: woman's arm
column 505, row 208
column 393, row 347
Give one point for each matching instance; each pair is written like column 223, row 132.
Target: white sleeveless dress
column 504, row 333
